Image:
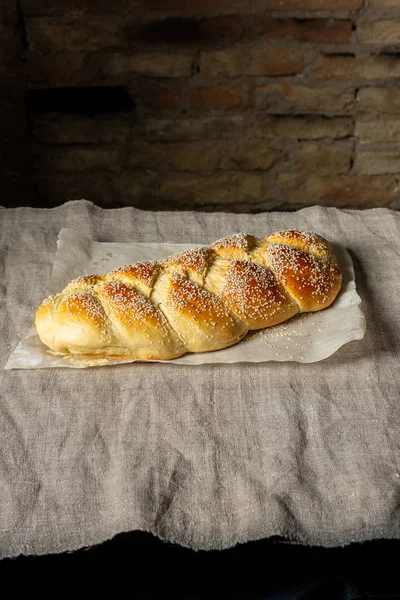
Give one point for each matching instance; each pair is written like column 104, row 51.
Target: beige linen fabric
column 206, row 456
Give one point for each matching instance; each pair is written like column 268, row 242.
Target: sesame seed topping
column 236, row 240
column 84, row 281
column 140, row 272
column 245, row 278
column 308, row 237
column 87, row 305
column 50, row 299
column 252, row 290
column 308, row 240
column 188, row 260
column 291, row 264
column 130, row 304
column 185, row 295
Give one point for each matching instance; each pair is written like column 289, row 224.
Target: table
column 208, row 456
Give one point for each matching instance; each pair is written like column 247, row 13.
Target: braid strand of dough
column 198, row 300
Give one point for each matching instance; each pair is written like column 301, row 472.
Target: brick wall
column 16, row 176
column 236, row 105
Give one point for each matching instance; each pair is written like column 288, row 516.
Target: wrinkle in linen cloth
column 206, row 456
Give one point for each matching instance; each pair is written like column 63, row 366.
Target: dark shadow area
column 382, row 338
column 183, row 31
column 275, row 569
column 86, row 101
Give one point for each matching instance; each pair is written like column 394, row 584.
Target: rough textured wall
column 215, row 104
column 16, row 177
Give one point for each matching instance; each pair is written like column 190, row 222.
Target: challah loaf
column 194, row 301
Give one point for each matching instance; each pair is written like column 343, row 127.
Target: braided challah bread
column 198, row 300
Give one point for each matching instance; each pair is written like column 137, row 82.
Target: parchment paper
column 306, row 338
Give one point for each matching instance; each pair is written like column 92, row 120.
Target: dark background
column 269, row 569
column 231, row 105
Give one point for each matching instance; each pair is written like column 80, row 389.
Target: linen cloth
column 206, row 456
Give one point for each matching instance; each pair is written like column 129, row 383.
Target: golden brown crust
column 253, row 294
column 138, row 323
column 142, row 275
column 83, row 283
column 198, row 300
column 311, row 281
column 200, row 318
column 193, row 263
column 73, row 323
column 236, row 246
column 303, row 240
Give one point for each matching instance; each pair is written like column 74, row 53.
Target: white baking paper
column 306, row 338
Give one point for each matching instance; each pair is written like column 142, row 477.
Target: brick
column 160, row 97
column 306, row 128
column 250, row 156
column 222, row 97
column 183, row 31
column 221, row 29
column 378, row 131
column 102, row 188
column 136, row 189
column 286, row 97
column 304, row 5
column 343, row 191
column 15, row 154
column 18, row 189
column 37, row 8
column 323, row 159
column 56, row 188
column 61, row 129
column 8, row 12
column 13, row 122
column 76, row 159
column 157, row 64
column 379, row 100
column 189, row 190
column 377, row 163
column 258, row 59
column 312, row 31
column 77, row 8
column 196, row 129
column 61, row 68
column 10, row 50
column 201, row 156
column 201, row 7
column 384, row 3
column 178, row 156
column 48, row 36
column 349, row 67
column 381, row 33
